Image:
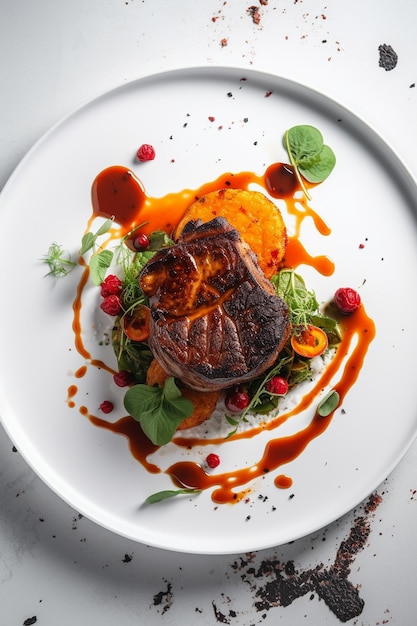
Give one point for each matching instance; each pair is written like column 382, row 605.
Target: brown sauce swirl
column 117, row 193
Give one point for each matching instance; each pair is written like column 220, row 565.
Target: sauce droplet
column 117, row 193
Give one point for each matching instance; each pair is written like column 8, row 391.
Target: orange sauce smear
column 117, row 193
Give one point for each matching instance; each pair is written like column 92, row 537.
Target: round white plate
column 369, row 199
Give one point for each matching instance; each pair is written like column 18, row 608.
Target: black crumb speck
column 127, row 558
column 276, row 583
column 30, row 620
column 388, row 58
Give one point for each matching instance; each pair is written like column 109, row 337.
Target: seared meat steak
column 216, row 321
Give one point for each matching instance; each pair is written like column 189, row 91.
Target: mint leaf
column 159, row 410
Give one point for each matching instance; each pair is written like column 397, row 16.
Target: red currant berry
column 236, row 401
column 111, row 305
column 141, row 242
column 347, row 300
column 111, row 286
column 122, row 379
column 106, row 406
column 146, row 152
column 277, row 385
column 213, row 460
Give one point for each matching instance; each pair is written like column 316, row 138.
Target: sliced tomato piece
column 309, row 341
column 136, row 323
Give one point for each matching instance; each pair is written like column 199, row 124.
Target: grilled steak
column 216, row 321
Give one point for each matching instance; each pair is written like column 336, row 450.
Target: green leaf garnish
column 58, row 260
column 309, row 156
column 170, row 493
column 99, row 261
column 159, row 410
column 328, row 404
column 99, row 264
column 291, row 288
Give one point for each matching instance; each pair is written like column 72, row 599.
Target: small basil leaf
column 170, row 493
column 99, row 264
column 104, row 228
column 87, row 242
column 328, row 404
column 304, row 142
column 317, row 169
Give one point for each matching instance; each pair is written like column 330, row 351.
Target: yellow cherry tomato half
column 309, row 341
column 136, row 323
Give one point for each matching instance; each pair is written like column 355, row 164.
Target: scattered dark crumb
column 275, row 583
column 14, row 449
column 220, row 617
column 229, row 94
column 164, row 597
column 412, row 85
column 30, row 620
column 388, row 58
column 223, row 42
column 127, row 558
column 268, row 93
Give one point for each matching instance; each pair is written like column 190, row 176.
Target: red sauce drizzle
column 117, row 193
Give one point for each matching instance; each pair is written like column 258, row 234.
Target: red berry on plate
column 213, row 460
column 146, row 152
column 141, row 242
column 111, row 286
column 236, row 401
column 347, row 300
column 122, row 379
column 277, row 385
column 111, row 305
column 106, row 406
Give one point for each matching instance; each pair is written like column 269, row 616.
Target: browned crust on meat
column 216, row 321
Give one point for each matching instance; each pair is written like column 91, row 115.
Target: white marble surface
column 57, row 568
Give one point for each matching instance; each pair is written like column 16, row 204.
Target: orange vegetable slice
column 136, row 323
column 309, row 341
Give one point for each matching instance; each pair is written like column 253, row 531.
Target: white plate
column 370, row 198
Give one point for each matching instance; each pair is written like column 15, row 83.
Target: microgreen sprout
column 58, row 260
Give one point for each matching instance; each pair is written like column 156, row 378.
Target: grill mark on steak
column 216, row 321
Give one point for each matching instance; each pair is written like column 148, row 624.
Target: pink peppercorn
column 146, row 152
column 111, row 286
column 122, row 379
column 106, row 406
column 111, row 305
column 213, row 460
